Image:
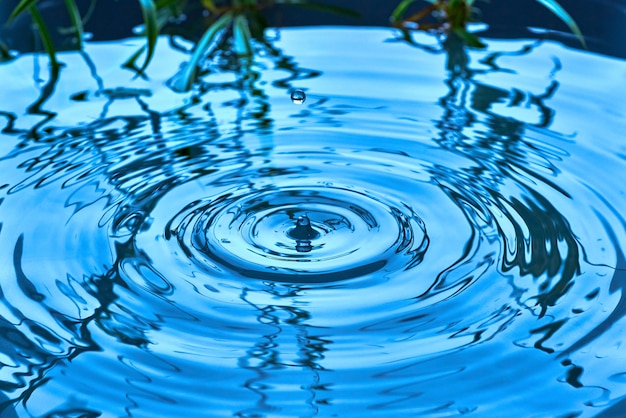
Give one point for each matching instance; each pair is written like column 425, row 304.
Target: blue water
column 427, row 234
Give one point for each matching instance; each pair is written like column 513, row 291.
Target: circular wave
column 429, row 257
column 300, row 234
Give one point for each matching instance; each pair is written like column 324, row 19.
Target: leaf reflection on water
column 142, row 325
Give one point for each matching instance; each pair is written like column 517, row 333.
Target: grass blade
column 45, row 37
column 469, row 39
column 5, row 53
column 151, row 30
column 241, row 35
column 21, row 7
column 210, row 5
column 131, row 63
column 76, row 21
column 400, row 9
column 186, row 78
column 560, row 12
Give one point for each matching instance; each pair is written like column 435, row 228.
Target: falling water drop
column 298, row 96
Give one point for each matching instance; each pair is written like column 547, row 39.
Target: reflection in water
column 540, row 242
column 293, row 381
column 81, row 156
column 235, row 254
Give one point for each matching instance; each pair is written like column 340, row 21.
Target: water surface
column 429, row 233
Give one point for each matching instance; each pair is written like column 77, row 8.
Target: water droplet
column 303, row 230
column 298, row 96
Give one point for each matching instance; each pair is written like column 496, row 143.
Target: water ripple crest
column 347, row 255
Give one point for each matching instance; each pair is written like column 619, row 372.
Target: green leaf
column 323, row 7
column 186, row 78
column 241, row 35
column 257, row 23
column 470, row 39
column 151, row 30
column 76, row 21
column 209, row 4
column 131, row 62
column 90, row 10
column 21, row 7
column 45, row 37
column 400, row 9
column 5, row 53
column 560, row 12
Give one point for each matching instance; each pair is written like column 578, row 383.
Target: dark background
column 603, row 22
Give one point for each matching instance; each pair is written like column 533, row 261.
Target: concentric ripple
column 361, row 253
column 256, row 233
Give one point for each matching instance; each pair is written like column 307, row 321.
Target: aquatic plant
column 453, row 16
column 239, row 21
column 233, row 25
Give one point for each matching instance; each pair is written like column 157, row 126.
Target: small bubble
column 298, row 96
